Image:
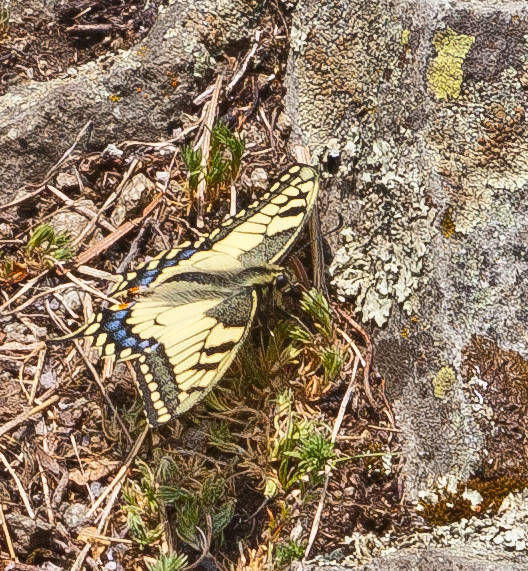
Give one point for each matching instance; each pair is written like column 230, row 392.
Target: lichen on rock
column 443, row 381
column 444, row 74
column 382, row 257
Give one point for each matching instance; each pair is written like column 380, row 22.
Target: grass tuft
column 169, row 562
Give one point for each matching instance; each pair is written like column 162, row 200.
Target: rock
column 113, row 151
column 259, row 178
column 284, row 122
column 428, row 110
column 71, row 221
column 73, row 515
column 48, row 379
column 28, row 534
column 66, row 180
column 127, row 95
column 17, row 332
column 72, row 299
column 136, row 194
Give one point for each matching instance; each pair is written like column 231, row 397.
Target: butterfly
column 187, row 311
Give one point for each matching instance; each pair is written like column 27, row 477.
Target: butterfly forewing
column 265, row 232
column 262, row 233
column 190, row 308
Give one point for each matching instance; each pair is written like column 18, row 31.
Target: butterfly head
column 282, row 281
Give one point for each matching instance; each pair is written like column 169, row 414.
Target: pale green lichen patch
column 443, row 381
column 444, row 75
column 405, row 37
column 381, row 260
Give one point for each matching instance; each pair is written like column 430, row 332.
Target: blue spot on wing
column 185, row 254
column 144, row 281
column 120, row 335
column 128, row 342
column 121, row 314
column 113, row 325
column 146, row 276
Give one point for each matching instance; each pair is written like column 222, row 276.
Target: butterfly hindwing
column 188, row 310
column 205, row 352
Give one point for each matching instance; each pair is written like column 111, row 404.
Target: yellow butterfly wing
column 191, row 307
column 185, row 363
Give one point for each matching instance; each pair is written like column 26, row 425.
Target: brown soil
column 42, row 49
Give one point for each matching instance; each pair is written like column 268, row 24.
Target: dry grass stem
column 204, row 144
column 56, row 166
column 328, row 468
column 7, row 535
column 160, row 144
column 80, row 209
column 239, row 74
column 81, row 468
column 18, row 483
column 117, row 234
column 113, row 490
column 102, row 388
column 36, row 376
column 26, row 287
column 118, row 479
column 111, row 198
column 368, row 344
column 83, row 285
column 45, row 489
column 26, row 415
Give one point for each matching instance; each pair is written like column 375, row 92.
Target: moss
column 444, row 380
column 444, row 75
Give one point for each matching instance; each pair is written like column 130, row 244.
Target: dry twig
column 18, row 483
column 204, row 144
column 328, row 468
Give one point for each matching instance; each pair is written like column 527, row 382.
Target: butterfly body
column 188, row 310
